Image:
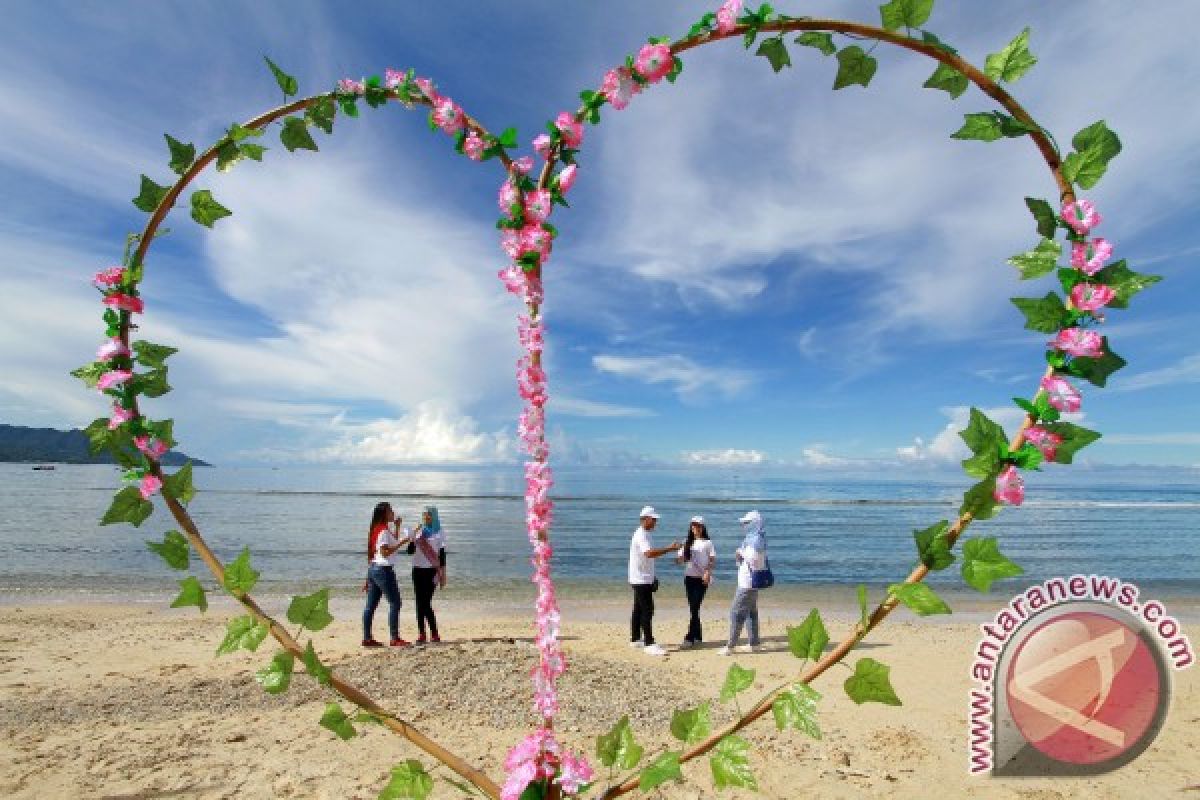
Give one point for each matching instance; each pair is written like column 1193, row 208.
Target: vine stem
column 1066, row 194
column 346, row 689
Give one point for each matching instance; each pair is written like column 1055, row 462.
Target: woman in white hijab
column 751, row 557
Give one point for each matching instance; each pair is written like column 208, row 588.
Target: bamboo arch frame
column 1049, row 154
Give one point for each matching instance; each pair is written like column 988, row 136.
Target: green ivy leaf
column 984, row 564
column 287, row 84
column 1124, row 281
column 179, row 485
column 659, row 771
column 818, row 39
column 919, row 598
column 162, row 429
column 173, row 549
column 982, row 435
column 617, row 747
column 152, row 383
column 128, row 506
column 932, row 39
column 310, row 611
column 1097, row 137
column 854, row 67
column 1043, row 214
column 1074, row 437
column 191, row 593
column 933, row 548
column 1040, row 260
column 737, row 679
column 1095, row 146
column 276, row 677
column 978, row 501
column 1028, row 457
column 808, row 639
column 90, row 374
column 905, row 13
column 691, row 725
column 182, row 155
column 988, row 126
column 1096, row 370
column 730, row 764
column 335, row 719
column 536, row 790
column 409, row 780
column 149, row 354
column 775, row 51
column 321, row 113
column 150, row 195
column 242, row 633
column 796, row 707
column 1044, row 314
column 1012, row 62
column 206, row 210
column 948, row 79
column 314, row 667
column 98, row 435
column 295, row 135
column 240, row 576
column 870, row 683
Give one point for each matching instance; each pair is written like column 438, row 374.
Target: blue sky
column 754, row 268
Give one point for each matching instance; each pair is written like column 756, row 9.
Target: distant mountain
column 64, row 447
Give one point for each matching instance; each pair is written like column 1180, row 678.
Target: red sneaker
column 371, row 643
column 399, row 643
column 420, row 639
column 436, row 638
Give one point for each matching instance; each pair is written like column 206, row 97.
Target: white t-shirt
column 385, row 537
column 420, row 559
column 751, row 560
column 641, row 568
column 702, row 553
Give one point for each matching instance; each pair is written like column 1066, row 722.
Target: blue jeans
column 381, row 581
column 743, row 610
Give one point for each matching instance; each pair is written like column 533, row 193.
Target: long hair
column 691, row 539
column 378, row 517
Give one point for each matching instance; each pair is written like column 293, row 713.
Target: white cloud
column 816, row 456
column 728, row 457
column 579, row 407
column 689, row 379
column 1171, row 438
column 1186, row 370
column 427, row 435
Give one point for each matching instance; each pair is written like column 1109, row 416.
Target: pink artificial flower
column 566, row 179
column 109, row 277
column 536, row 239
column 541, row 144
column 570, row 128
column 538, row 205
column 513, row 280
column 149, row 485
column 120, row 415
column 393, row 78
column 1078, row 342
column 447, row 115
column 348, row 86
column 727, row 15
column 1089, row 257
column 523, row 164
column 508, row 196
column 619, row 87
column 575, row 773
column 1044, row 440
column 1010, row 487
column 1091, row 296
column 111, row 349
column 155, row 448
column 113, row 378
column 1081, row 216
column 1061, row 394
column 473, row 146
column 124, row 302
column 654, row 62
column 427, row 88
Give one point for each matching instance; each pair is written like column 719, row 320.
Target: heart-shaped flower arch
column 539, row 764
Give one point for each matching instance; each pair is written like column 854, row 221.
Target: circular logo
column 1085, row 688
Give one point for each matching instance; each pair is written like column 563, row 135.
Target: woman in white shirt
column 699, row 556
column 382, row 548
column 428, row 550
column 751, row 557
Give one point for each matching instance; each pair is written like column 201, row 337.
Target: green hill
column 37, row 445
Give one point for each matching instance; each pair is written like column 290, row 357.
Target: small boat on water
column 43, row 466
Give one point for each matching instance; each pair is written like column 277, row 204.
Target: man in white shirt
column 641, row 579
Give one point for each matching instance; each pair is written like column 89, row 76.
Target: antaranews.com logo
column 1072, row 677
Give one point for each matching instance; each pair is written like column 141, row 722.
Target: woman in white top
column 428, row 550
column 751, row 556
column 699, row 556
column 383, row 545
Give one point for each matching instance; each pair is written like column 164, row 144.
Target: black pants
column 640, row 624
column 424, row 582
column 695, row 589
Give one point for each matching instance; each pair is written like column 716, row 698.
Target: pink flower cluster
column 149, row 485
column 153, row 447
column 1044, row 440
column 727, row 15
column 108, row 278
column 619, row 87
column 539, row 756
column 652, row 63
column 1010, row 486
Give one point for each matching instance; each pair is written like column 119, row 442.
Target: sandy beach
column 127, row 701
